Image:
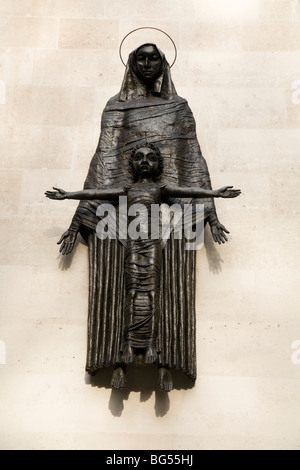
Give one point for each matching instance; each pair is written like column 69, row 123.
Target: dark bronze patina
column 142, row 294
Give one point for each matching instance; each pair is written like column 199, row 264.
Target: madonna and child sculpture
column 141, row 287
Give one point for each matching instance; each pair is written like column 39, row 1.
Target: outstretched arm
column 217, row 229
column 194, row 192
column 68, row 238
column 85, row 194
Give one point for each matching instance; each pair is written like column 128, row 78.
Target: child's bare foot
column 118, row 379
column 165, row 381
column 127, row 356
column 151, row 355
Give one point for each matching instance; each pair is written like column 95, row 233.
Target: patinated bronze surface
column 142, row 294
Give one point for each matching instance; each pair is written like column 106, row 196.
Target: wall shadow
column 213, row 256
column 142, row 380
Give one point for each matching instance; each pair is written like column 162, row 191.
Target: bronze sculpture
column 143, row 256
column 147, row 103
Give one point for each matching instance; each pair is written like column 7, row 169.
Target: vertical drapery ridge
column 177, row 322
column 106, row 299
column 92, row 318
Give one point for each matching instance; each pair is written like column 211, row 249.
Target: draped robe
column 166, row 120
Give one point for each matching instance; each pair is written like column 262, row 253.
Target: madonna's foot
column 151, row 355
column 165, row 381
column 118, row 379
column 128, row 355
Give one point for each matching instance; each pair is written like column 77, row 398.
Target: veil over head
column 133, row 86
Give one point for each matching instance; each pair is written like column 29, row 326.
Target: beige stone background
column 239, row 67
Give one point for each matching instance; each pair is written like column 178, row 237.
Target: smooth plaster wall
column 238, row 66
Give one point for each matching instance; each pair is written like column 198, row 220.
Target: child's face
column 145, row 162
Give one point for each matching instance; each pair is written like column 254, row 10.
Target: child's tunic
column 143, row 264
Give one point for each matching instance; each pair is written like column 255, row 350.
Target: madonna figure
column 147, row 104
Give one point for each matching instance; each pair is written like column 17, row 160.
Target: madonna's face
column 148, row 62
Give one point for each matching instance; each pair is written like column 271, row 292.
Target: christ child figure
column 143, row 256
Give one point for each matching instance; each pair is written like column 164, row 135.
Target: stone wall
column 238, row 66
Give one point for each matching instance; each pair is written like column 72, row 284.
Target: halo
column 147, row 27
column 144, row 134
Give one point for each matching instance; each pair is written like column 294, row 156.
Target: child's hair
column 156, row 150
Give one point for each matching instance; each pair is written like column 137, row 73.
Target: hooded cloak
column 165, row 119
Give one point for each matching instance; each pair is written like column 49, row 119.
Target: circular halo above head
column 160, row 38
column 146, row 137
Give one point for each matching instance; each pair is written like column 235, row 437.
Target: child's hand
column 226, row 191
column 58, row 194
